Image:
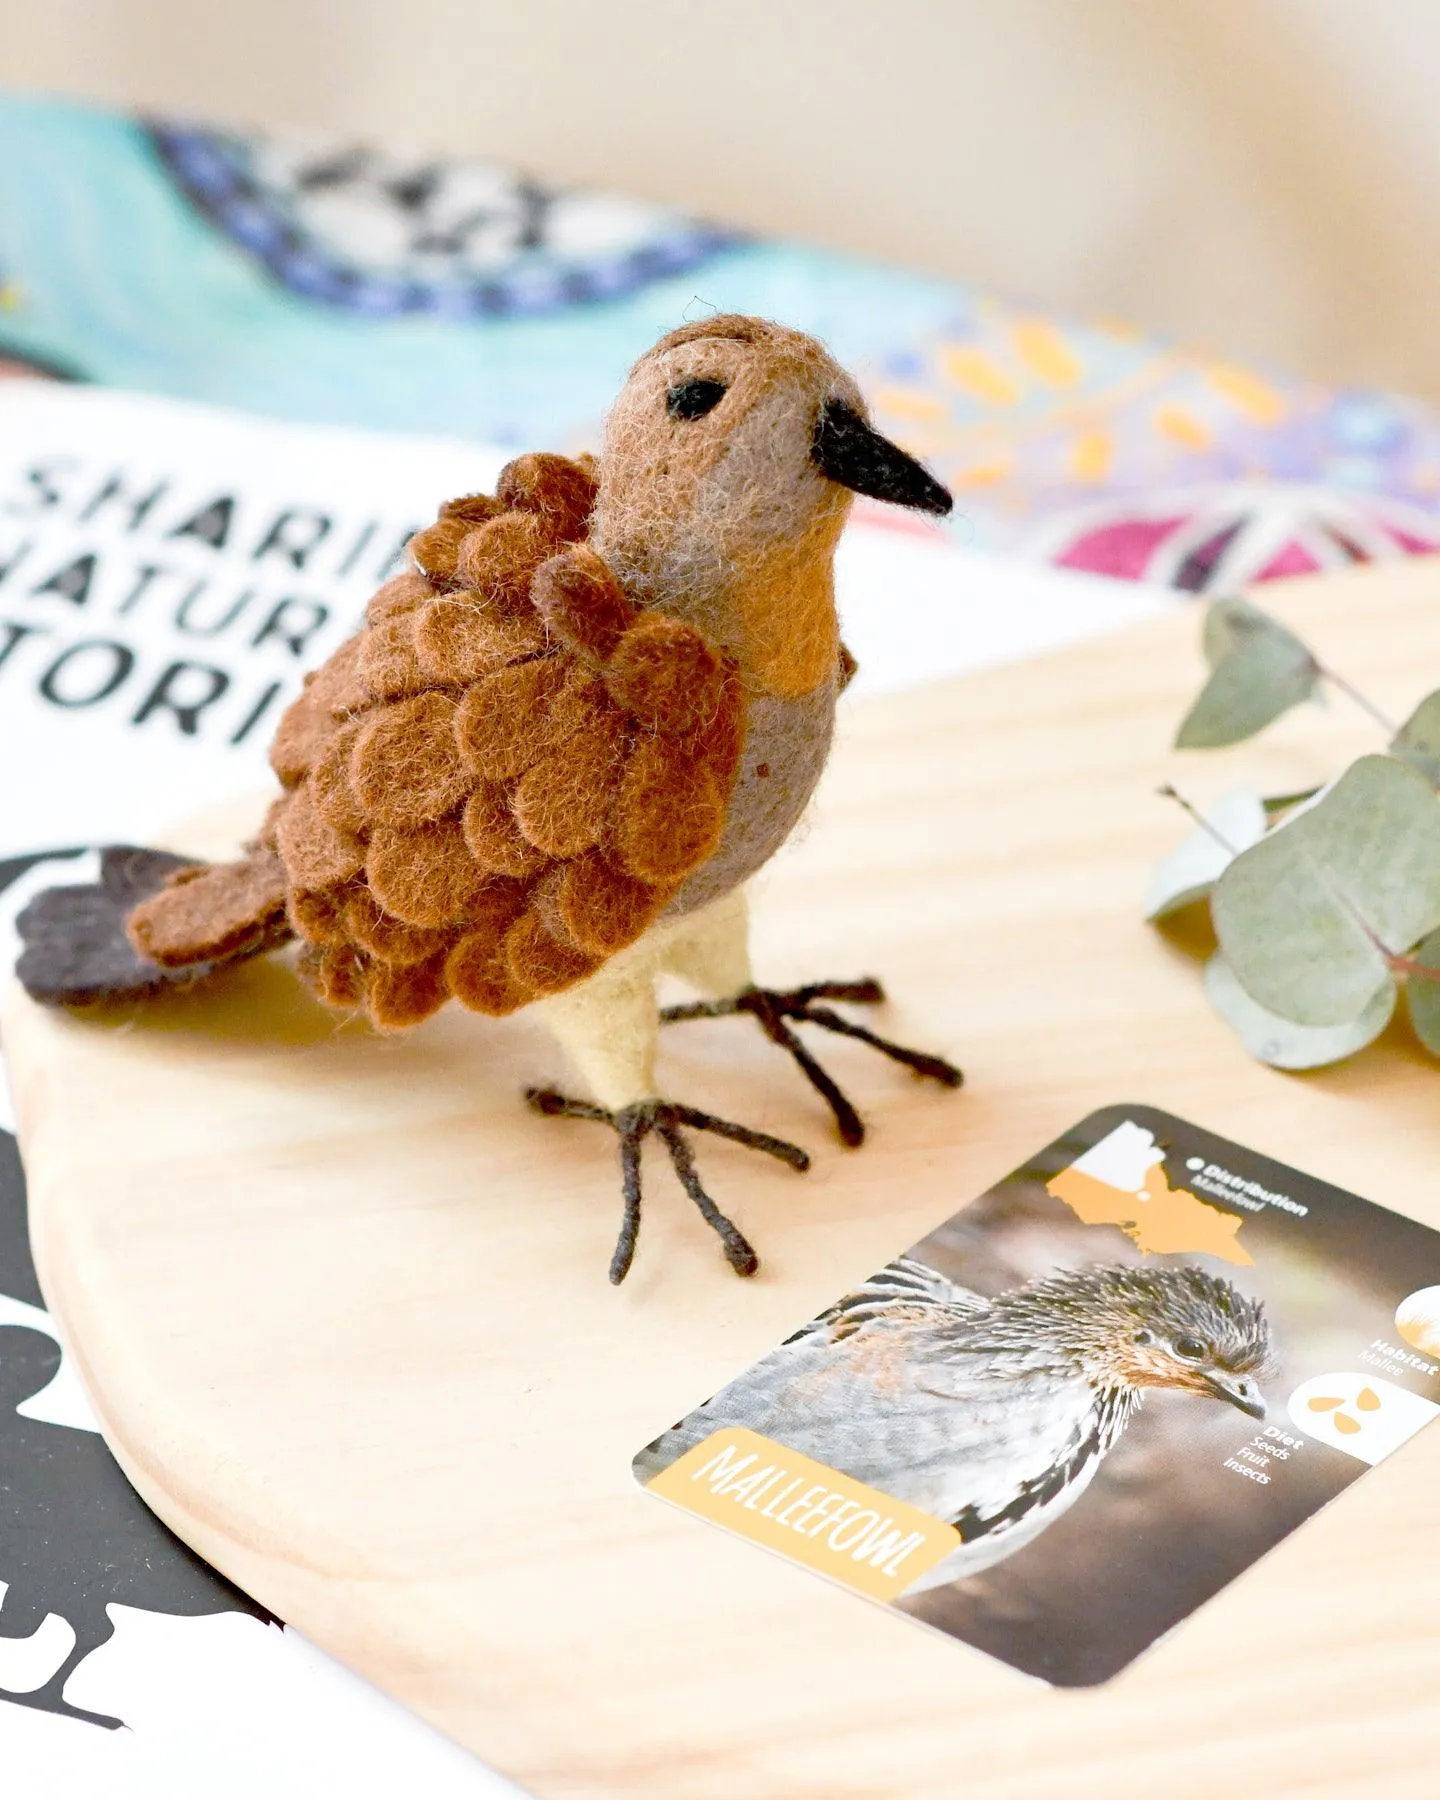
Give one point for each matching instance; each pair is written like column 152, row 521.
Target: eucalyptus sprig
column 1326, row 903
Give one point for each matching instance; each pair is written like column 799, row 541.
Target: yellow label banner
column 810, row 1513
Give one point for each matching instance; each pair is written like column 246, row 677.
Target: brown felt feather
column 315, row 853
column 405, row 768
column 582, row 602
column 334, row 973
column 494, row 838
column 558, row 491
column 424, row 875
column 539, row 962
column 389, row 665
column 479, row 977
column 599, row 907
column 564, row 802
column 317, row 915
column 301, row 735
column 337, row 688
column 365, row 923
column 501, row 781
column 401, row 594
column 398, row 996
column 463, row 638
column 504, row 722
column 206, row 914
column 336, row 800
column 436, row 548
column 499, row 559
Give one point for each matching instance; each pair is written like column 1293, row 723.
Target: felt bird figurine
column 544, row 770
column 993, row 1415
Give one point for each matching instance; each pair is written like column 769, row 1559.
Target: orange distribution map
column 1121, row 1181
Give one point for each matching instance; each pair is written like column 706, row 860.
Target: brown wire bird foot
column 773, row 1007
column 632, row 1125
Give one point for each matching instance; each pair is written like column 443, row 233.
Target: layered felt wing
column 505, row 777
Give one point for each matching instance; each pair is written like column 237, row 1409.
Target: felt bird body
column 992, row 1414
column 542, row 772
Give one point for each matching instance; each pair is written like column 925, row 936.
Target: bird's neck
column 1040, row 1331
column 772, row 607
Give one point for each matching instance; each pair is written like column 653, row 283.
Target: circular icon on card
column 1195, row 1162
column 1417, row 1319
column 1362, row 1415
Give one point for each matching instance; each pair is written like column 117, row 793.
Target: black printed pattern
column 74, row 1535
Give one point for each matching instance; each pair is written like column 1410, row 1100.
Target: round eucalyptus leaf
column 1187, row 874
column 1422, row 995
column 1259, row 670
column 1418, row 739
column 1306, row 917
column 1282, row 1043
column 1229, row 619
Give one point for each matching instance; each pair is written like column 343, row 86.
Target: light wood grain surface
column 341, row 1302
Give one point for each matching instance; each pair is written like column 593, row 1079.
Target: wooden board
column 341, row 1301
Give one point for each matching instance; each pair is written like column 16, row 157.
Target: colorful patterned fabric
column 461, row 298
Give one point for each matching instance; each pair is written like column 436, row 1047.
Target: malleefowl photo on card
column 1067, row 1417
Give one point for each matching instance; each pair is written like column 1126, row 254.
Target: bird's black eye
column 1190, row 1348
column 1144, row 1337
column 693, row 399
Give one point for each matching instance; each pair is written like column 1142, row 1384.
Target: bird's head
column 1175, row 1328
column 731, row 458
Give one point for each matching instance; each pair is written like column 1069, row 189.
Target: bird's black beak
column 848, row 451
column 1240, row 1391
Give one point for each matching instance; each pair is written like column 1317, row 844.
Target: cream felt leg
column 608, row 1027
column 710, row 949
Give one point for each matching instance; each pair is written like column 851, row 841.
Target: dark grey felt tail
column 75, row 948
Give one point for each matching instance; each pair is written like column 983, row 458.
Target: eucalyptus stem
column 1170, row 793
column 1411, row 968
column 1353, row 693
